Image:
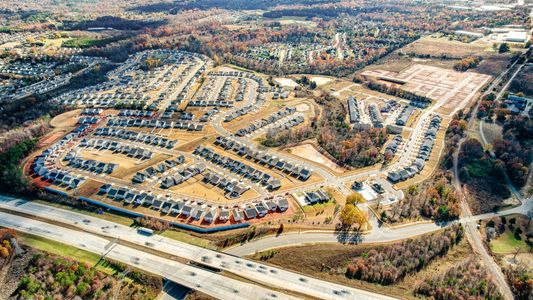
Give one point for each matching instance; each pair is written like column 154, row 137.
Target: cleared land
column 309, row 152
column 436, row 83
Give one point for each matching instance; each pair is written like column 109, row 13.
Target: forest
column 12, row 179
column 6, row 247
column 389, row 264
column 515, row 149
column 469, row 280
column 348, row 146
column 434, row 198
column 49, row 276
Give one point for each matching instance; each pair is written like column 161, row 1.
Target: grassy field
column 86, row 42
column 187, row 238
column 507, row 243
column 63, row 250
column 317, row 207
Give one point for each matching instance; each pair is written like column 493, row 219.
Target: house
column 149, row 200
column 211, row 215
column 312, row 197
column 271, row 205
column 262, row 209
column 112, row 193
column 197, row 214
column 224, row 215
column 283, row 204
column 128, row 199
column 250, row 212
column 394, row 177
column 273, row 185
column 357, row 186
column 237, row 215
column 186, row 210
column 165, row 208
column 139, row 199
column 104, row 189
column 176, row 208
column 121, row 193
column 157, row 204
column 167, row 182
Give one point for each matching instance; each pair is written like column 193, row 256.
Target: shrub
column 388, row 265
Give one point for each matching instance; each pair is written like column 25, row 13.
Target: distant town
column 251, row 149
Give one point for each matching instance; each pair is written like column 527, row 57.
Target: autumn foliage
column 469, row 280
column 389, row 264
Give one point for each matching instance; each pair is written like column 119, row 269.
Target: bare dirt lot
column 68, row 119
column 430, row 50
column 439, row 46
column 436, row 83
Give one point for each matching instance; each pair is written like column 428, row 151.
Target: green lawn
column 507, row 244
column 187, row 238
column 318, row 206
column 63, row 250
column 85, row 42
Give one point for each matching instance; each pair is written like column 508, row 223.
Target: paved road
column 270, row 276
column 208, row 282
column 291, row 239
column 472, row 232
column 378, row 234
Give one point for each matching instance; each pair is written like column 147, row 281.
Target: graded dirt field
column 436, row 83
column 443, row 53
column 68, row 119
column 196, row 188
column 442, row 46
column 288, row 82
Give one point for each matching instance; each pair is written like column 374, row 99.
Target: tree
column 355, row 198
column 504, row 48
column 4, row 252
column 348, row 215
column 360, row 218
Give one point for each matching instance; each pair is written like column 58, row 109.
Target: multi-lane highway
column 251, row 270
column 208, row 282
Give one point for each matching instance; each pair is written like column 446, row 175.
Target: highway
column 268, row 275
column 208, row 282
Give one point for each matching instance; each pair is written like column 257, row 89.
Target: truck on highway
column 145, row 231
